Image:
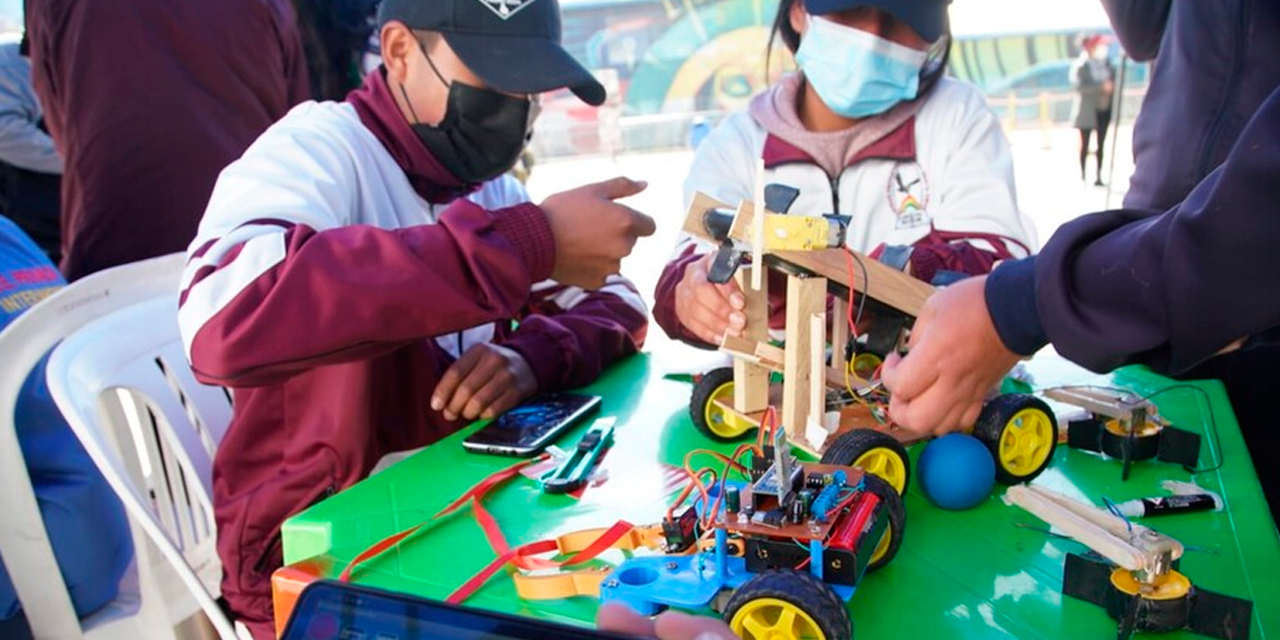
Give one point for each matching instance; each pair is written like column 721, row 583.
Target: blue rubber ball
column 956, row 471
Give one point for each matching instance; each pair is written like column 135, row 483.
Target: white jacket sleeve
column 22, row 143
column 977, row 192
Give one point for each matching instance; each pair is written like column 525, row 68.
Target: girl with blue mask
column 867, row 127
column 856, row 73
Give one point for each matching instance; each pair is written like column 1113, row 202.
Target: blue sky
column 10, row 14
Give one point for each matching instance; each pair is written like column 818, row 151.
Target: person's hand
column 672, row 625
column 954, row 358
column 592, row 232
column 487, row 380
column 709, row 310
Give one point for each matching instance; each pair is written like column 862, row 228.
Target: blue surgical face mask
column 856, row 73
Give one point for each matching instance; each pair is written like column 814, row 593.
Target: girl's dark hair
column 934, row 67
column 782, row 27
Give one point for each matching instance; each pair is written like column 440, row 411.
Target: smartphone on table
column 526, row 429
column 330, row 610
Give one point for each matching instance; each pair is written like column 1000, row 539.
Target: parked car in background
column 1047, row 87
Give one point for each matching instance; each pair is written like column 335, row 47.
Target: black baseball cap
column 927, row 17
column 513, row 45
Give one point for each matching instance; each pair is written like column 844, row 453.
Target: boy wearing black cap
column 356, row 273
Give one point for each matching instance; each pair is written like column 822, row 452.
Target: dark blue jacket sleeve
column 1139, row 24
column 1168, row 290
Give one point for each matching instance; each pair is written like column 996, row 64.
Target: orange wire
column 769, row 423
column 848, row 258
column 731, row 463
column 694, row 481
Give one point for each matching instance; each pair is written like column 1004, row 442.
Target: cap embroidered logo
column 506, row 8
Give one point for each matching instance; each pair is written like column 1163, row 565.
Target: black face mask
column 482, row 134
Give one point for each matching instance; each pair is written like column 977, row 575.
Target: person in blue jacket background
column 1213, row 63
column 1169, row 290
column 84, row 519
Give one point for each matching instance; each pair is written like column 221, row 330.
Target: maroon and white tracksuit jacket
column 338, row 271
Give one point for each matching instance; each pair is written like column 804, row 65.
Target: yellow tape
column 582, row 582
column 564, row 584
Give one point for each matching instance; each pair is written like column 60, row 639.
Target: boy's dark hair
column 934, row 68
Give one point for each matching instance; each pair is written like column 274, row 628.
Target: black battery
column 796, row 512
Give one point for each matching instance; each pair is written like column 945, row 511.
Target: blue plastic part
column 647, row 584
column 722, row 553
column 815, row 558
column 829, row 497
column 685, row 582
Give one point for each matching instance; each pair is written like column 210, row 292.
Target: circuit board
column 803, row 531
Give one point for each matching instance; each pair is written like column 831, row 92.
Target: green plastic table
column 959, row 574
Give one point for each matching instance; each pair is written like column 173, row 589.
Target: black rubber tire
column 702, row 391
column 802, row 590
column 897, row 519
column 854, row 444
column 996, row 415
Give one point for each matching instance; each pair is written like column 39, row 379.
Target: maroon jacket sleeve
column 568, row 336
column 954, row 251
column 354, row 292
column 664, row 298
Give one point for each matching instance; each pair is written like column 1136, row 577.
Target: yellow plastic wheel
column 711, row 394
column 1169, row 586
column 882, row 547
column 1027, row 441
column 887, row 464
column 1021, row 433
column 877, row 453
column 787, row 605
column 774, row 619
column 891, row 540
column 714, row 414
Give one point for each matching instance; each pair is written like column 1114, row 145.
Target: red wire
column 475, row 493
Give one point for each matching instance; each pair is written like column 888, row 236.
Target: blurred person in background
column 148, row 100
column 30, row 167
column 336, row 37
column 83, row 518
column 1093, row 78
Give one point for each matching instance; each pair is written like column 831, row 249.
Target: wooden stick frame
column 810, row 274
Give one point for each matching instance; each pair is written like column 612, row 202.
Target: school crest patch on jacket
column 908, row 194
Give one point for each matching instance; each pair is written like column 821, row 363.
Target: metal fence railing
column 610, row 134
column 1055, row 109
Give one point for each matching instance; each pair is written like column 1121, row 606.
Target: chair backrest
column 24, row 543
column 123, row 383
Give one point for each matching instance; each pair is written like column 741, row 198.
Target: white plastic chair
column 123, row 320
